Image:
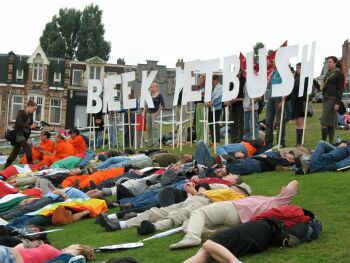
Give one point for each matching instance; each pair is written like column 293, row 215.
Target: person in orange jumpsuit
column 77, row 141
column 45, row 146
column 63, row 149
column 97, row 178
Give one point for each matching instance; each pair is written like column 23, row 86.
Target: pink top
column 255, row 204
column 38, row 254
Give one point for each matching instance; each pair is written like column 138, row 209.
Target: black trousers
column 16, row 149
column 237, row 116
column 217, row 125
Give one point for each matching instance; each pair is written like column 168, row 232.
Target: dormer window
column 19, row 74
column 38, row 68
column 57, row 77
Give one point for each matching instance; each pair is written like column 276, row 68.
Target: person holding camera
column 23, row 127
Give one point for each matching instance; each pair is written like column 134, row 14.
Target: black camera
column 41, row 125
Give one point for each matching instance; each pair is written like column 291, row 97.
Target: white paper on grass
column 126, row 90
column 146, row 83
column 94, row 93
column 230, row 77
column 188, row 95
column 179, row 85
column 110, row 93
column 207, row 68
column 256, row 83
column 282, row 65
column 307, row 69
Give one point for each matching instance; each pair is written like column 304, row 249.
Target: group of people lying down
column 157, row 190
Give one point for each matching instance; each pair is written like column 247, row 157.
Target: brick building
column 59, row 86
column 35, row 77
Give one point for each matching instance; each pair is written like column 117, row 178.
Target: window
column 17, row 104
column 37, row 72
column 57, row 77
column 95, row 72
column 55, row 111
column 19, row 74
column 77, row 77
column 39, row 113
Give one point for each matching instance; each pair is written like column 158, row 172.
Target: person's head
column 220, row 172
column 77, row 250
column 298, row 68
column 233, row 178
column 187, row 157
column 30, row 107
column 45, row 135
column 289, row 156
column 202, row 80
column 202, row 187
column 332, row 62
column 74, row 132
column 61, row 135
column 154, row 89
column 215, row 80
column 37, row 239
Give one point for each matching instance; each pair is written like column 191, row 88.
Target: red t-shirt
column 38, row 254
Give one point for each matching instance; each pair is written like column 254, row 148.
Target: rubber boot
column 331, row 135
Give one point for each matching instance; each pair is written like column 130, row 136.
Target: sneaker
column 145, row 228
column 186, row 242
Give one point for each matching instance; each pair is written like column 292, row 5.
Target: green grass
column 326, row 194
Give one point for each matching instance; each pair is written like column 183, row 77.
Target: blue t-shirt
column 275, row 79
column 70, row 192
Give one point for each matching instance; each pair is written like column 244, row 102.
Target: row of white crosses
column 256, row 85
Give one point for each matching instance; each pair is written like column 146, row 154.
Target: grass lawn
column 326, row 194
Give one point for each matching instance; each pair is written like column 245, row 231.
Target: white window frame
column 18, row 75
column 55, row 107
column 57, row 80
column 13, row 117
column 94, row 68
column 76, row 71
column 35, row 97
column 39, row 67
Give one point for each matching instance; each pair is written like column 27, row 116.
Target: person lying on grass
column 326, row 157
column 165, row 217
column 283, row 226
column 231, row 213
column 43, row 253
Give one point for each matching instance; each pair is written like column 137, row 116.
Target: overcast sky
column 168, row 30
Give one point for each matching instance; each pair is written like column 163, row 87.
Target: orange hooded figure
column 63, row 149
column 45, row 146
column 77, row 141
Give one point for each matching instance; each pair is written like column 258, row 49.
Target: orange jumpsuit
column 46, row 146
column 63, row 149
column 97, row 178
column 79, row 144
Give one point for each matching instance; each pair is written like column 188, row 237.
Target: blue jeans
column 244, row 166
column 273, row 112
column 231, row 149
column 87, row 158
column 113, row 130
column 248, row 127
column 326, row 157
column 25, row 220
column 99, row 138
column 114, row 162
column 203, row 154
column 6, row 255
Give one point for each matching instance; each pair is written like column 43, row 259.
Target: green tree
column 59, row 37
column 91, row 40
column 256, row 48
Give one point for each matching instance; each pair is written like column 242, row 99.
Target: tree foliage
column 256, row 48
column 76, row 34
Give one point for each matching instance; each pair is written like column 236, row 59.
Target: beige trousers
column 175, row 214
column 211, row 216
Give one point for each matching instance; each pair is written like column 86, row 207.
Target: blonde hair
column 87, row 252
column 155, row 85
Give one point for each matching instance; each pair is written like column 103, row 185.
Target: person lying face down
column 256, row 164
column 43, row 253
column 231, row 213
column 165, row 217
